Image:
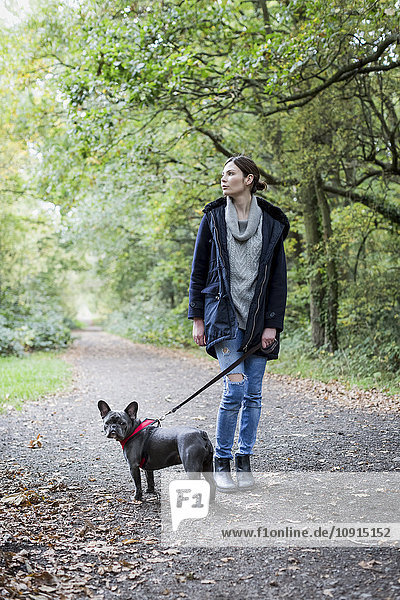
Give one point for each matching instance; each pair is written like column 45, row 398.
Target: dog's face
column 118, row 424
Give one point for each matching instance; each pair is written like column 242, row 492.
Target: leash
column 151, row 422
column 216, row 378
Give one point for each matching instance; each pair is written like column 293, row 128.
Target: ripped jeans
column 245, row 395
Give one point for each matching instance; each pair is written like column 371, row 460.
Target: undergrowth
column 357, row 365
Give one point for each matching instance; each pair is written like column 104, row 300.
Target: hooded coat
column 209, row 290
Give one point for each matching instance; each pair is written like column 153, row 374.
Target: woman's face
column 233, row 181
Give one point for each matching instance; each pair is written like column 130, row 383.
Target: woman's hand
column 198, row 332
column 268, row 336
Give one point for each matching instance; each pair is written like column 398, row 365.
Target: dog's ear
column 131, row 410
column 103, row 408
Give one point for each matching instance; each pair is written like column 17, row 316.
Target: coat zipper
column 257, row 309
column 219, row 244
column 217, row 238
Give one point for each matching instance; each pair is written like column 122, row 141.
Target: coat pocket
column 216, row 313
column 212, row 289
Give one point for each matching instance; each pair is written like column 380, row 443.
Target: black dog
column 152, row 448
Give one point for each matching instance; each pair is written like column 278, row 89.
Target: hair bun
column 261, row 185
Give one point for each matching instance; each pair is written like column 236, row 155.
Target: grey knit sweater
column 244, row 240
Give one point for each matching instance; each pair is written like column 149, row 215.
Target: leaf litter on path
column 69, row 526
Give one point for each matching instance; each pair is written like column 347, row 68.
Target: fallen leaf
column 24, row 498
column 47, row 588
column 369, row 564
column 45, row 579
column 36, row 443
column 157, row 560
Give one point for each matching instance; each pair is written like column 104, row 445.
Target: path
column 70, row 529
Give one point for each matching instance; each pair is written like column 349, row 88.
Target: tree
column 310, row 87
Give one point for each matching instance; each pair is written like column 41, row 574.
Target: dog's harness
column 143, row 425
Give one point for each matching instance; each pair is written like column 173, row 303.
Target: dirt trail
column 70, row 530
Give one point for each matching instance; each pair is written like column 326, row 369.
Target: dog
column 151, row 448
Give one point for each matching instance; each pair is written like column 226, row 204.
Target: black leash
column 215, row 379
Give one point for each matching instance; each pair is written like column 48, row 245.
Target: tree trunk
column 313, row 247
column 331, row 296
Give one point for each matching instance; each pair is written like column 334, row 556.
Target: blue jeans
column 245, row 395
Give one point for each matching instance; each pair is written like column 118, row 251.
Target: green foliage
column 34, row 263
column 31, row 280
column 129, row 112
column 25, row 328
column 359, row 365
column 147, row 323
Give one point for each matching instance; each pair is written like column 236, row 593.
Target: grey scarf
column 232, row 219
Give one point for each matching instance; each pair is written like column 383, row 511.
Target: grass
column 30, row 377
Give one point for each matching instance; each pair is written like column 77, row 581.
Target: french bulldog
column 155, row 448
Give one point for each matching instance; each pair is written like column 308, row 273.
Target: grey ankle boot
column 245, row 479
column 222, row 475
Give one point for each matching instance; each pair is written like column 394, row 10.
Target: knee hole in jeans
column 236, row 377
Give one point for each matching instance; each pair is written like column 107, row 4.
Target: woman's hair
column 248, row 167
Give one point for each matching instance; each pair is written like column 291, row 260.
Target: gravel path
column 70, row 528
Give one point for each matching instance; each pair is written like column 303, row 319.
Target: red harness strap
column 142, row 425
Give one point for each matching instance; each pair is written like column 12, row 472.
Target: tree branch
column 389, row 211
column 266, row 16
column 347, row 70
column 270, row 179
column 10, row 191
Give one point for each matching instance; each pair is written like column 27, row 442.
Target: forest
column 116, row 120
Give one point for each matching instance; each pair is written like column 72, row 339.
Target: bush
column 45, row 332
column 367, row 362
column 25, row 328
column 149, row 325
column 9, row 342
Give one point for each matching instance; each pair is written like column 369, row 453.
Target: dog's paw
column 152, row 496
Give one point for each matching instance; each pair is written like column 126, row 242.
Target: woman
column 237, row 297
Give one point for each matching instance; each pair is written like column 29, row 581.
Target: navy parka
column 209, row 290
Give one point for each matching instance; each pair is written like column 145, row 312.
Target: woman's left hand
column 268, row 336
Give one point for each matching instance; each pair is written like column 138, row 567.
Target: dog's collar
column 143, row 424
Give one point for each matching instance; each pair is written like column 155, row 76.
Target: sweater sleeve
column 277, row 290
column 200, row 264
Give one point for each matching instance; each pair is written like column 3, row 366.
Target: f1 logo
column 189, row 499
